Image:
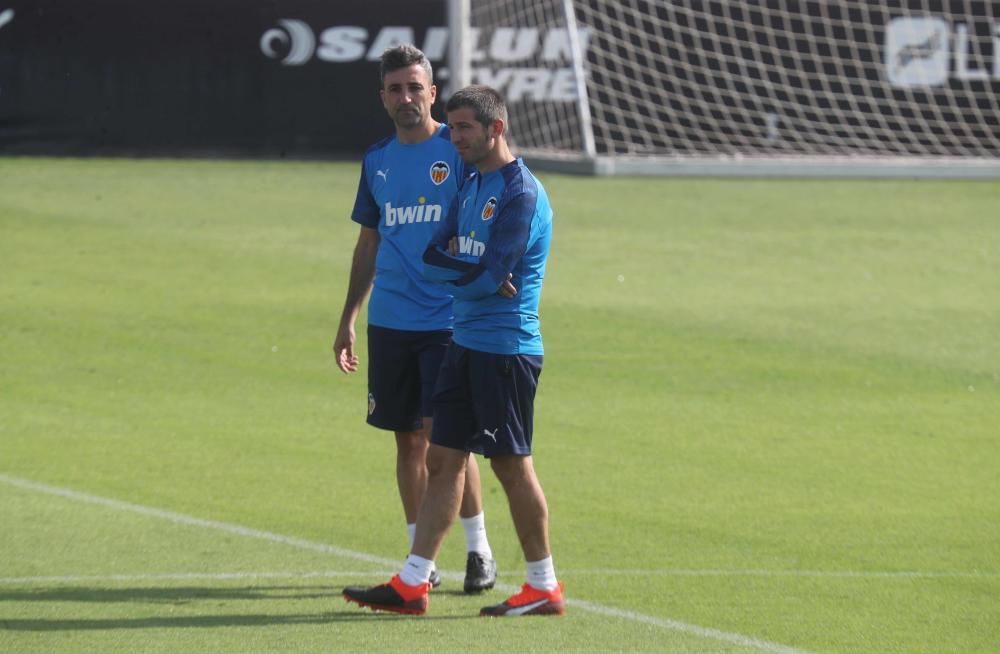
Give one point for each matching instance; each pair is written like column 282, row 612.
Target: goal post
column 755, row 87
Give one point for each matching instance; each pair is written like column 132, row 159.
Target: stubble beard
column 407, row 119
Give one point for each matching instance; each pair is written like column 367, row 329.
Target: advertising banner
column 296, row 78
column 299, row 78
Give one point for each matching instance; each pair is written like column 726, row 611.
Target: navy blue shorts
column 402, row 370
column 485, row 403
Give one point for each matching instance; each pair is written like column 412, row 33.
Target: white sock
column 416, row 570
column 475, row 535
column 411, row 531
column 542, row 574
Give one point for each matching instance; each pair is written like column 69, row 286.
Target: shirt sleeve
column 366, row 210
column 439, row 266
column 508, row 243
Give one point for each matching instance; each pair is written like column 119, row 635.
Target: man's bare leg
column 528, row 508
column 411, row 469
column 446, row 470
column 542, row 595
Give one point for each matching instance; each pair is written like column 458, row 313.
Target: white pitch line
column 875, row 574
column 674, row 625
column 179, row 518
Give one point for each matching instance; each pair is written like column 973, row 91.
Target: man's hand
column 343, row 347
column 453, row 246
column 507, row 289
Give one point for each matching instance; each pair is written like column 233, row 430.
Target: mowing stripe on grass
column 180, row 518
column 185, row 576
column 563, row 572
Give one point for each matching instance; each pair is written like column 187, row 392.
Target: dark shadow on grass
column 206, row 621
column 190, row 596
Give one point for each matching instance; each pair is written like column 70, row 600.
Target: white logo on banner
column 928, row 51
column 524, row 63
column 916, row 51
column 296, row 35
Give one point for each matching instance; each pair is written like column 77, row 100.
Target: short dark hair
column 404, row 56
column 485, row 101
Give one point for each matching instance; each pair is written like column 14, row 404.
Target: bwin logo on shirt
column 489, row 208
column 421, row 213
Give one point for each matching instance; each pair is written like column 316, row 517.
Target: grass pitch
column 768, row 418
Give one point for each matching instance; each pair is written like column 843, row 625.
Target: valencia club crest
column 439, row 172
column 489, row 208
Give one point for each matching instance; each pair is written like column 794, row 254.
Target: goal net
column 728, row 86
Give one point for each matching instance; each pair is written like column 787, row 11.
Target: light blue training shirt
column 404, row 192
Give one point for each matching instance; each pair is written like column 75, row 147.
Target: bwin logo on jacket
column 439, row 172
column 489, row 208
column 470, row 246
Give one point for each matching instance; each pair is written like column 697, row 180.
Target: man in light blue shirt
column 490, row 253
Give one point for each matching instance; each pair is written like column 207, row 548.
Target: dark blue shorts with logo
column 485, row 403
column 402, row 370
